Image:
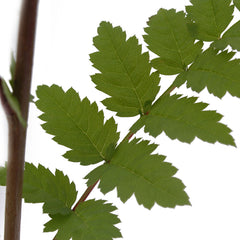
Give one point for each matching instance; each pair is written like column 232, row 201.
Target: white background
column 211, row 172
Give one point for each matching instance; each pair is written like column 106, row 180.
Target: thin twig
column 85, row 195
column 17, row 132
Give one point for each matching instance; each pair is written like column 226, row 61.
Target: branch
column 17, row 132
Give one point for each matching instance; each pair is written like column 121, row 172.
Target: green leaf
column 211, row 17
column 166, row 66
column 76, row 124
column 55, row 191
column 134, row 170
column 13, row 102
column 41, row 186
column 168, row 37
column 125, row 71
column 91, row 220
column 3, row 175
column 230, row 37
column 180, row 79
column 237, row 4
column 183, row 119
column 216, row 72
column 12, row 70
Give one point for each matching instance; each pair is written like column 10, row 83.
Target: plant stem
column 85, row 194
column 17, row 132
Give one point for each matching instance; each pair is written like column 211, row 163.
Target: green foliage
column 168, row 37
column 230, row 37
column 126, row 76
column 91, row 220
column 134, row 170
column 125, row 72
column 55, row 191
column 12, row 101
column 76, row 124
column 41, row 186
column 182, row 118
column 210, row 17
column 216, row 72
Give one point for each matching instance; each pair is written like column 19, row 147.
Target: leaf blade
column 134, row 170
column 183, row 119
column 91, row 220
column 3, row 175
column 12, row 101
column 211, row 17
column 125, row 71
column 76, row 124
column 168, row 37
column 55, row 191
column 216, row 72
column 230, row 37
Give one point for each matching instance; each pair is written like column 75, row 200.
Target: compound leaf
column 210, row 17
column 168, row 37
column 134, row 170
column 90, row 220
column 125, row 71
column 183, row 119
column 216, row 72
column 76, row 124
column 55, row 191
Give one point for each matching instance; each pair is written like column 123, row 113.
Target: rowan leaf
column 76, row 124
column 183, row 119
column 216, row 72
column 134, row 170
column 230, row 37
column 125, row 71
column 55, row 191
column 210, row 17
column 90, row 220
column 168, row 37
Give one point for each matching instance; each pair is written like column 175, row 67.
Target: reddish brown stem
column 130, row 135
column 85, row 195
column 17, row 132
